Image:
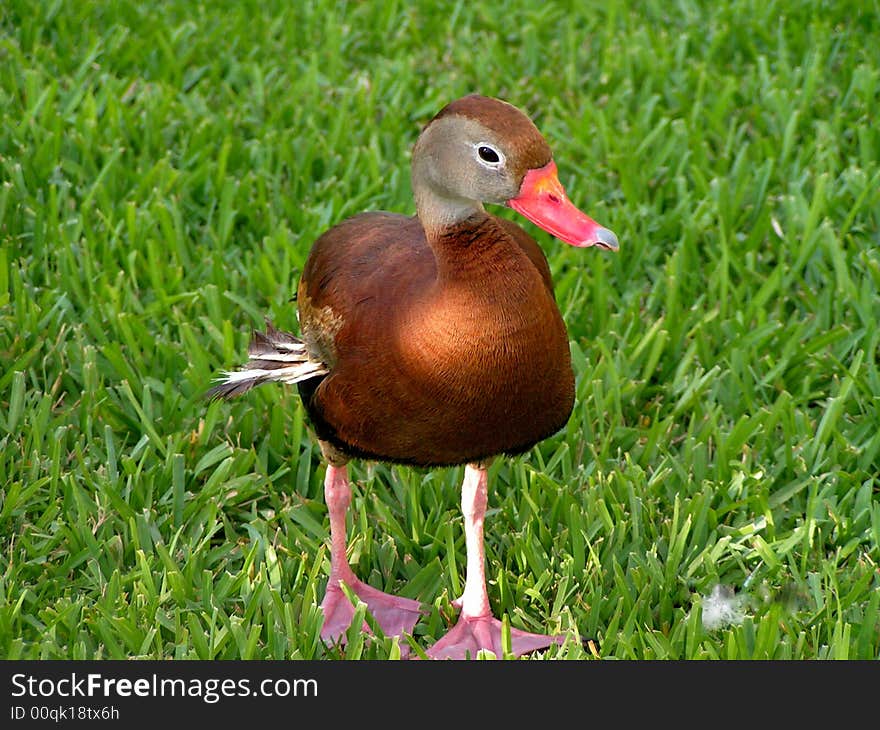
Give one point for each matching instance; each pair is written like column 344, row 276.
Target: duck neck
column 473, row 249
column 438, row 212
column 458, row 230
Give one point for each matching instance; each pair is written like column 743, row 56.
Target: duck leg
column 394, row 615
column 477, row 628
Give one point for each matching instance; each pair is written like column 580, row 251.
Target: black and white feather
column 274, row 356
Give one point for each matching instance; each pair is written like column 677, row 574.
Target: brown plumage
column 442, row 356
column 435, row 340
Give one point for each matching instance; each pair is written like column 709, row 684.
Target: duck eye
column 487, row 154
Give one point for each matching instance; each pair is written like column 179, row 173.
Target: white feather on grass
column 722, row 608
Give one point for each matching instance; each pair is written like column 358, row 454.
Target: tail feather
column 274, row 356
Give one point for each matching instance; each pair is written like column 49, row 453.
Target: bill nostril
column 553, row 198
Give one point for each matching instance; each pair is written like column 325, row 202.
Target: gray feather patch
column 275, row 356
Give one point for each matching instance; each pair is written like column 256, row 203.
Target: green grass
column 164, row 169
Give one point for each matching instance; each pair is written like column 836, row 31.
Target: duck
column 434, row 340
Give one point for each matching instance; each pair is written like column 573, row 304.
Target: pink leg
column 394, row 615
column 476, row 628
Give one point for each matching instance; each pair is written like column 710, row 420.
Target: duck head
column 482, row 150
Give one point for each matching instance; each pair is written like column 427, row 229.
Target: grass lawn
column 164, row 169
